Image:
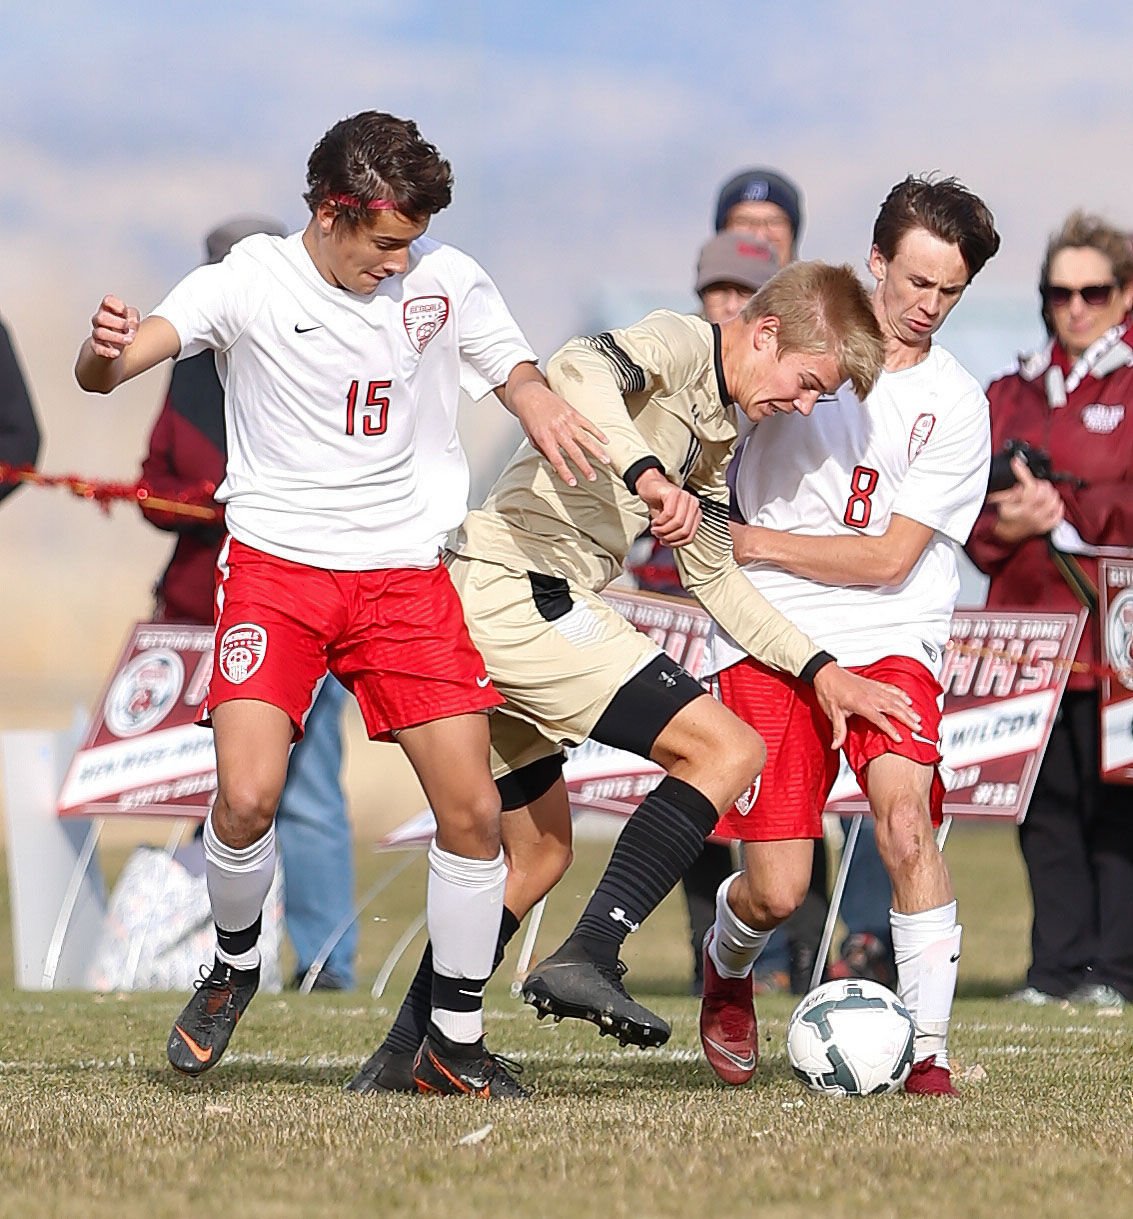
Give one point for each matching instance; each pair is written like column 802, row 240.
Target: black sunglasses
column 1092, row 294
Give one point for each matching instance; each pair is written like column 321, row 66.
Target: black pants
column 1077, row 843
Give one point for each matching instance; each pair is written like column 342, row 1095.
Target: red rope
column 195, row 501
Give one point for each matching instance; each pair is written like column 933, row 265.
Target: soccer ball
column 851, row 1037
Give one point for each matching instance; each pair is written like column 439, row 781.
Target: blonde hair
column 824, row 310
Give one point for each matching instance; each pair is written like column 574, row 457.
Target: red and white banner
column 144, row 752
column 1115, row 605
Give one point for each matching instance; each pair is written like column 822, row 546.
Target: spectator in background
column 1074, row 401
column 186, row 458
column 19, row 432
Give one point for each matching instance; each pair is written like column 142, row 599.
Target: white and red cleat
column 927, row 1079
column 728, row 1029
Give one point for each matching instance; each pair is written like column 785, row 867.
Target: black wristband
column 818, row 661
column 638, row 468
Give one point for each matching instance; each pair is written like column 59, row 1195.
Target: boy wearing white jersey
column 849, row 530
column 342, row 350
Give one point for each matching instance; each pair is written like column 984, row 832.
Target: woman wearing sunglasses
column 1074, row 401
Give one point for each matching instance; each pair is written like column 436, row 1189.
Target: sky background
column 588, row 142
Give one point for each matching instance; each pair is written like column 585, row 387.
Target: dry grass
column 93, row 1122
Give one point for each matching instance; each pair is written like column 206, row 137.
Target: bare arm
column 883, row 561
column 552, row 425
column 121, row 346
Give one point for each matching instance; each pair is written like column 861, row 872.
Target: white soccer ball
column 851, row 1037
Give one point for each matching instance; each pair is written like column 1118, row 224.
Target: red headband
column 375, row 205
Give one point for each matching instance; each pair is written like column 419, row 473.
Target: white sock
column 735, row 946
column 238, row 881
column 927, row 948
column 463, row 909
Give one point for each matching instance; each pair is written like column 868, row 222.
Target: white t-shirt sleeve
column 947, row 481
column 212, row 305
column 491, row 343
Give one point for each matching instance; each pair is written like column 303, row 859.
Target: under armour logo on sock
column 619, row 916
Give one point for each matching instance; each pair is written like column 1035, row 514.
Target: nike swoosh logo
column 954, row 959
column 482, row 682
column 747, row 1063
column 194, row 1049
column 471, row 994
column 306, row 329
column 924, row 740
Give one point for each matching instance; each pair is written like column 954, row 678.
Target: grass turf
column 94, row 1123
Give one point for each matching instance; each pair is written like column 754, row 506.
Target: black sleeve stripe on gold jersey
column 631, row 377
column 714, row 520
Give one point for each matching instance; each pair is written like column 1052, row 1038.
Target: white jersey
column 919, row 447
column 341, row 409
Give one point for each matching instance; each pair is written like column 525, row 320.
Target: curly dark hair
column 947, row 210
column 374, row 156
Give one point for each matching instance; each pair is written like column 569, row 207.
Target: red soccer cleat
column 927, row 1079
column 728, row 1029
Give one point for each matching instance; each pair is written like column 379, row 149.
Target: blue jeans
column 315, row 842
column 868, row 894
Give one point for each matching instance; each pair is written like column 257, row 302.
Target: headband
column 375, row 205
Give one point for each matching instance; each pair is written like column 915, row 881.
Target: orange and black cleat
column 201, row 1033
column 450, row 1068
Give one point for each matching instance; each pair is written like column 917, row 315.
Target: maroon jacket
column 1091, row 437
column 186, row 452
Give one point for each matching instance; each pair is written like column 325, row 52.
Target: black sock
column 412, row 1019
column 658, row 845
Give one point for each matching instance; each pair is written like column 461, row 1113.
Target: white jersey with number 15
column 341, row 409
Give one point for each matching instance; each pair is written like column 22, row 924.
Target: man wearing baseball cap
column 730, row 268
column 766, row 202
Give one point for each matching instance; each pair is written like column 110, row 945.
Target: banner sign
column 144, row 752
column 1003, row 678
column 1115, row 588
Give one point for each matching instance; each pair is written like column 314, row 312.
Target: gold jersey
column 656, row 390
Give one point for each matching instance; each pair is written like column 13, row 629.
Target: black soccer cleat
column 450, row 1068
column 201, row 1032
column 569, row 984
column 385, row 1071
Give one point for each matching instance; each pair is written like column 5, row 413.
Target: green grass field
column 94, row 1123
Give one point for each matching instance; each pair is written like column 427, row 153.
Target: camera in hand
column 1002, row 476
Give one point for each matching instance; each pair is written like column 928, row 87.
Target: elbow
column 893, row 573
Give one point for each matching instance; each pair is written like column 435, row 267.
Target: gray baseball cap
column 735, row 257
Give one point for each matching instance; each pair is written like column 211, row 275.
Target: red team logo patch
column 241, row 652
column 918, row 436
column 424, row 316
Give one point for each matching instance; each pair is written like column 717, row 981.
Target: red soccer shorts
column 396, row 638
column 787, row 799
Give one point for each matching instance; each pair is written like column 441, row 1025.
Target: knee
column 904, row 838
column 768, row 906
column 243, row 812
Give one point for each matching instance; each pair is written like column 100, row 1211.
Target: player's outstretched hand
column 113, row 328
column 674, row 514
column 558, row 431
column 842, row 694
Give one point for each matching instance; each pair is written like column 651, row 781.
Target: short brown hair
column 824, row 310
column 375, row 157
column 1082, row 230
column 944, row 208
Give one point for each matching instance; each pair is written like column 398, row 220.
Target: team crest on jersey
column 1119, row 636
column 1101, row 419
column 918, row 436
column 144, row 692
column 746, row 802
column 424, row 316
column 241, row 652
